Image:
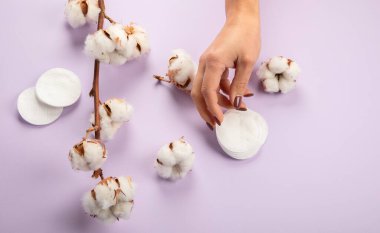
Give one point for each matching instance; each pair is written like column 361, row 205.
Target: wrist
column 242, row 11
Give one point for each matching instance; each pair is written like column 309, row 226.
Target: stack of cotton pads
column 242, row 133
column 55, row 89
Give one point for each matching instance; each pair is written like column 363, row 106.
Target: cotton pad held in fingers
column 34, row 111
column 58, row 87
column 242, row 133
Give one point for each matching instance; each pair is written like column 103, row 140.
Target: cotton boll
column 93, row 11
column 264, row 72
column 117, row 59
column 278, row 64
column 162, row 170
column 104, row 41
column 105, row 194
column 120, row 111
column 74, row 13
column 78, row 12
column 127, row 187
column 166, row 156
column 271, row 85
column 108, row 127
column 93, row 50
column 141, row 37
column 286, row 85
column 99, row 46
column 92, row 208
column 138, row 42
column 182, row 69
column 174, row 160
column 292, row 72
column 182, row 149
column 89, row 154
column 122, row 210
column 95, row 153
column 278, row 74
column 111, row 199
column 118, row 35
column 181, row 169
column 113, row 114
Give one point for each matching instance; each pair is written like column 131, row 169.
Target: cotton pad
column 58, row 87
column 242, row 133
column 34, row 111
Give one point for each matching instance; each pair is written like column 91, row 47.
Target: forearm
column 246, row 10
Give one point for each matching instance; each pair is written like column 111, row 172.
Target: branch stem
column 95, row 86
column 109, row 19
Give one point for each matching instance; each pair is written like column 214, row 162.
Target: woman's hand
column 236, row 46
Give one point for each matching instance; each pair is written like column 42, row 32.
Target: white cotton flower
column 286, row 85
column 271, row 85
column 181, row 70
column 78, row 12
column 99, row 46
column 265, row 73
column 108, row 127
column 117, row 44
column 113, row 113
column 89, row 154
column 278, row 74
column 93, row 11
column 293, row 71
column 95, row 51
column 175, row 160
column 138, row 41
column 111, row 199
column 120, row 110
column 118, row 35
column 278, row 64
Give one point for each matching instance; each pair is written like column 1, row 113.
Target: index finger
column 210, row 89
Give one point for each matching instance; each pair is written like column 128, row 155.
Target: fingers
column 197, row 97
column 224, row 101
column 210, row 89
column 225, row 86
column 238, row 87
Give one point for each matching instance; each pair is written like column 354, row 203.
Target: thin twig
column 88, row 131
column 160, row 78
column 109, row 19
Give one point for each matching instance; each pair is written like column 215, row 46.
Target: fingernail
column 217, row 121
column 210, row 126
column 249, row 95
column 237, row 101
column 242, row 109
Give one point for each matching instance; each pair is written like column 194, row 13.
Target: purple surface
column 318, row 172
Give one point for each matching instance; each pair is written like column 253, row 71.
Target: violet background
column 318, row 171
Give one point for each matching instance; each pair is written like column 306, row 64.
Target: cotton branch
column 95, row 86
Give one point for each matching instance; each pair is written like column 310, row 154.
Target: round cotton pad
column 242, row 133
column 58, row 87
column 34, row 111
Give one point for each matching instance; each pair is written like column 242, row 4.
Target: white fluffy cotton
column 175, row 160
column 113, row 113
column 278, row 74
column 78, row 12
column 89, row 154
column 117, row 44
column 111, row 199
column 181, row 70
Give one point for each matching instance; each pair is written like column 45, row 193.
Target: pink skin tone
column 237, row 46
